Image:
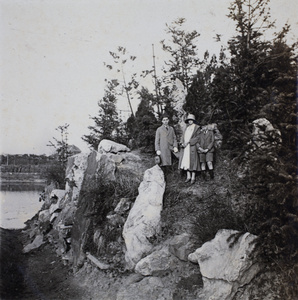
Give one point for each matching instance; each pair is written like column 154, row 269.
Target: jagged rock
column 132, row 163
column 150, row 288
column 118, row 159
column 224, row 269
column 181, row 246
column 115, row 220
column 157, row 263
column 66, row 215
column 38, row 241
column 57, row 194
column 131, row 157
column 61, row 247
column 264, row 135
column 106, row 167
column 123, row 206
column 103, row 168
column 54, row 207
column 143, row 221
column 53, row 217
column 44, row 215
column 75, row 171
column 110, row 146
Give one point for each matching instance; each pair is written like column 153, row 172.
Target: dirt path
column 39, row 274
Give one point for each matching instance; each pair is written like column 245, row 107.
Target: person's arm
column 211, row 139
column 195, row 137
column 175, row 144
column 157, row 142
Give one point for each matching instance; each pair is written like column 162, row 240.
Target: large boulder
column 143, row 221
column 107, row 146
column 225, row 265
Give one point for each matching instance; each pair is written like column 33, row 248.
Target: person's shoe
column 192, row 181
column 211, row 172
column 187, row 180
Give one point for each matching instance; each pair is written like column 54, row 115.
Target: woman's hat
column 190, row 117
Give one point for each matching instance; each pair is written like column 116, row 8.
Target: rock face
column 224, row 269
column 143, row 221
column 98, row 166
column 264, row 135
column 76, row 166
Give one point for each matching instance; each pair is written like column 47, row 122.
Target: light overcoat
column 194, row 157
column 165, row 141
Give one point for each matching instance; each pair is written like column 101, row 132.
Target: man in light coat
column 165, row 142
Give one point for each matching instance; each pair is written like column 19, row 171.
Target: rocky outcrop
column 225, row 264
column 99, row 167
column 143, row 222
column 93, row 227
column 264, row 135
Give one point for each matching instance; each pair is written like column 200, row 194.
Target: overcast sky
column 52, row 55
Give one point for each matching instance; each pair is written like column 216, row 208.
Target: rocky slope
column 126, row 233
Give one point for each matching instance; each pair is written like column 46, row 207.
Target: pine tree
column 106, row 122
column 142, row 127
column 182, row 49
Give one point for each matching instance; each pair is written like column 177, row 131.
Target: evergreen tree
column 182, row 49
column 260, row 82
column 198, row 100
column 142, row 127
column 106, row 122
column 246, row 77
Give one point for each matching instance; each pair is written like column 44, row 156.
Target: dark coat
column 194, row 157
column 165, row 141
column 206, row 141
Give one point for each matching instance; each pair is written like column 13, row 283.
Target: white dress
column 185, row 163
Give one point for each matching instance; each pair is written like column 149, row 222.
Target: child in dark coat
column 205, row 148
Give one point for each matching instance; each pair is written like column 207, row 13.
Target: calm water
column 19, row 203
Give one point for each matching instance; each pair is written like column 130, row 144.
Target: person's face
column 165, row 121
column 190, row 122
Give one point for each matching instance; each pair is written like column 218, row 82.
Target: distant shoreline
column 12, row 181
column 21, row 178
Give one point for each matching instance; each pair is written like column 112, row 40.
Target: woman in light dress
column 189, row 158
